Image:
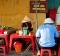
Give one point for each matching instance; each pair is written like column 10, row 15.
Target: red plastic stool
column 58, row 50
column 46, row 50
column 4, row 52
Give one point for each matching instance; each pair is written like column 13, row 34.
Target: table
column 5, row 36
column 15, row 35
column 10, row 31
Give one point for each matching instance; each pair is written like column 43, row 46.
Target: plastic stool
column 58, row 50
column 44, row 50
column 4, row 52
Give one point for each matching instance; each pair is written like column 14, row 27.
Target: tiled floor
column 29, row 53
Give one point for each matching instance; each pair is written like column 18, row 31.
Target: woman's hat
column 27, row 19
column 48, row 20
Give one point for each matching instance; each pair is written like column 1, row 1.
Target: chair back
column 52, row 14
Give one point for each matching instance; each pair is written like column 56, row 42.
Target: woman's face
column 29, row 22
column 24, row 24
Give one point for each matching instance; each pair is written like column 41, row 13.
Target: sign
column 42, row 0
column 41, row 7
column 38, row 0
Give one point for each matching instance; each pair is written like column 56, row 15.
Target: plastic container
column 18, row 46
column 25, row 31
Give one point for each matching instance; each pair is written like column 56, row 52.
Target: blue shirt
column 47, row 33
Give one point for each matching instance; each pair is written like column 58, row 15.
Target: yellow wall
column 12, row 13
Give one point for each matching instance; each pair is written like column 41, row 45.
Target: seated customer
column 47, row 35
column 28, row 25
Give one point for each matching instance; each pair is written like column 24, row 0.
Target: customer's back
column 46, row 33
